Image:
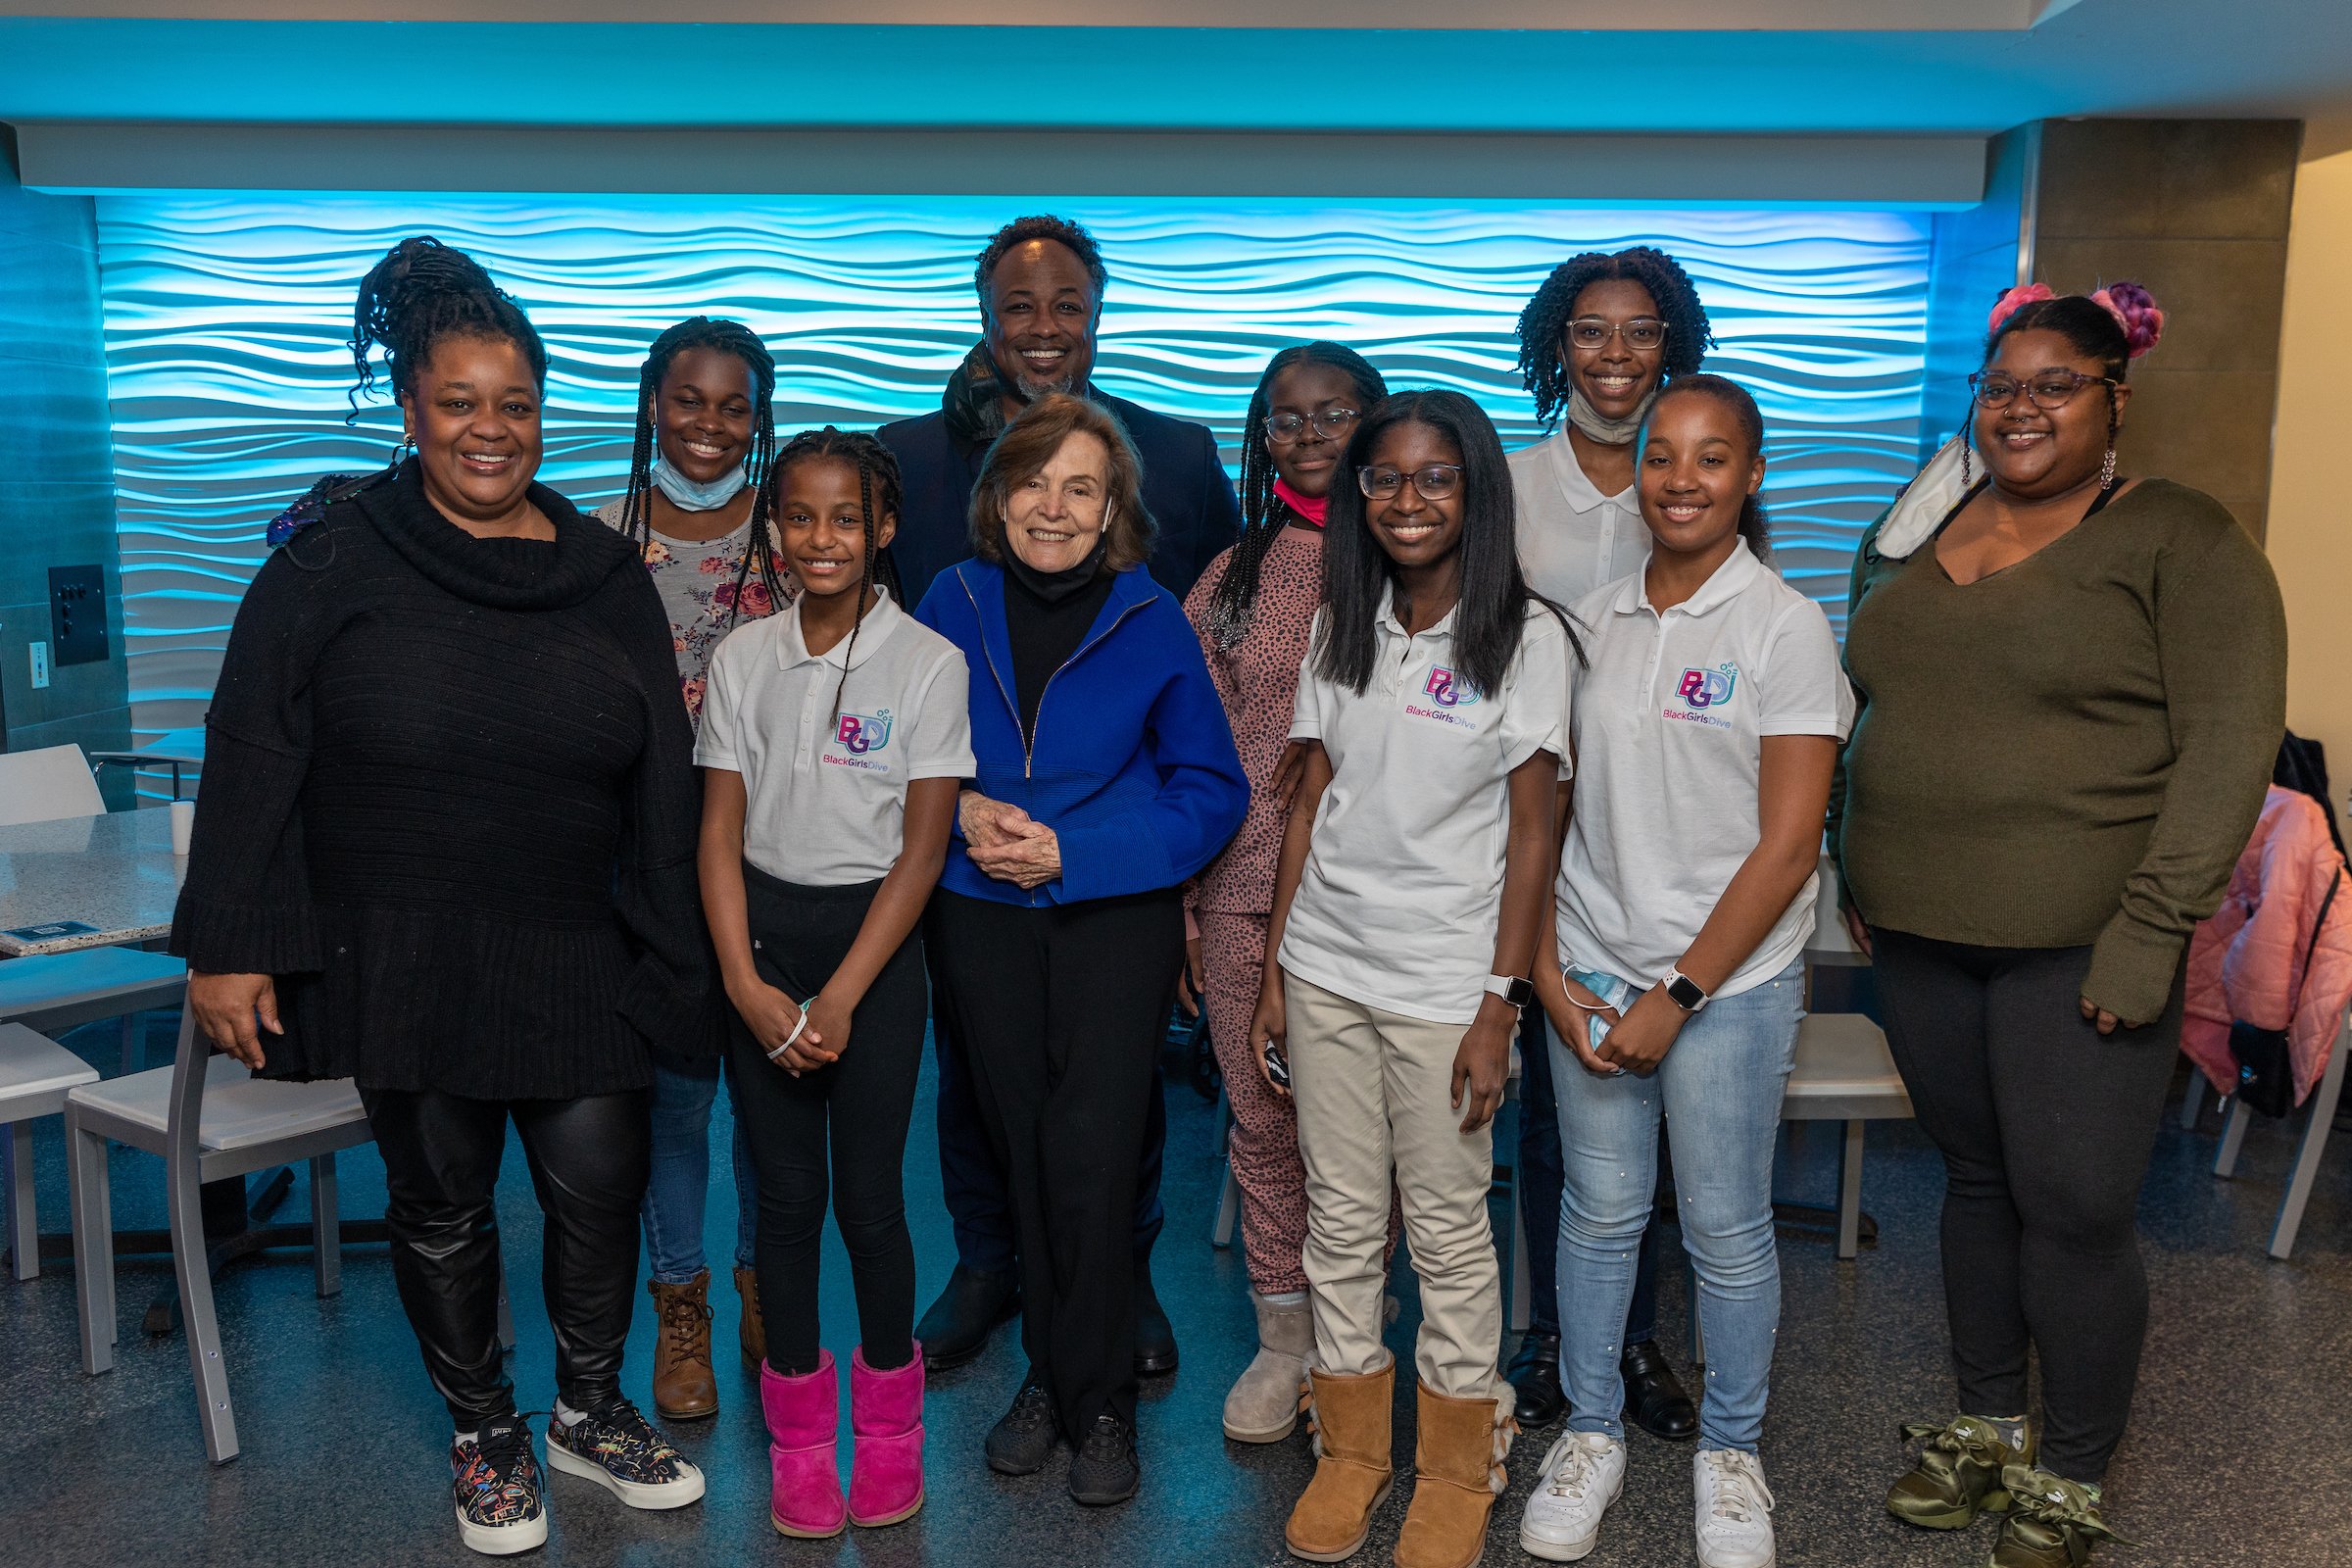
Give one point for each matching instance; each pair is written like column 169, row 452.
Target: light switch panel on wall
column 40, row 665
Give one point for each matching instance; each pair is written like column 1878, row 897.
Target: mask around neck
column 1608, row 432
column 687, row 496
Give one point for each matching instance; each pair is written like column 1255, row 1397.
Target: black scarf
column 974, row 401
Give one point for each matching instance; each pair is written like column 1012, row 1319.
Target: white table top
column 115, row 874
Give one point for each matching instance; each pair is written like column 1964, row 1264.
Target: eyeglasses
column 2049, row 389
column 1432, row 483
column 1332, row 424
column 1643, row 334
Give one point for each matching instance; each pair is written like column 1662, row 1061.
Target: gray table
column 173, row 748
column 115, row 874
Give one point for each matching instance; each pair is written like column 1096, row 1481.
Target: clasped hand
column 1007, row 843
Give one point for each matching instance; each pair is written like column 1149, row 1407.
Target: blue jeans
column 1719, row 1090
column 1535, row 1180
column 680, row 1184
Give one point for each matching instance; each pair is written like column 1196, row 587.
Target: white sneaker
column 1735, row 1509
column 1581, row 1475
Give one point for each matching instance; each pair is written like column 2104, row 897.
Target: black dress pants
column 1062, row 1008
column 842, row 1128
column 589, row 1159
column 2046, row 1126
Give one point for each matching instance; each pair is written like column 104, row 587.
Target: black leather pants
column 588, row 1160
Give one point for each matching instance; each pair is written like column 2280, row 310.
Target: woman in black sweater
column 446, row 849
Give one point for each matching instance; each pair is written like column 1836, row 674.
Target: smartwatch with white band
column 1683, row 991
column 1518, row 991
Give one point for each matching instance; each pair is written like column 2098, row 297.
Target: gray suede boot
column 1263, row 1406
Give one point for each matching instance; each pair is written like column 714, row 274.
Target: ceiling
column 1946, row 66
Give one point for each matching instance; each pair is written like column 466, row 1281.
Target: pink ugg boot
column 886, row 1416
column 803, row 1414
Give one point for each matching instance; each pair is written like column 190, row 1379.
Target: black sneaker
column 495, row 1477
column 1104, row 1471
column 1022, row 1440
column 619, row 1451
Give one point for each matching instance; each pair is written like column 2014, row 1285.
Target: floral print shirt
column 698, row 581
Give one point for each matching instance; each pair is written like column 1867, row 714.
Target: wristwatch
column 1518, row 989
column 1683, row 991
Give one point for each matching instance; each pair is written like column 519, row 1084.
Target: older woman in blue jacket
column 1105, row 776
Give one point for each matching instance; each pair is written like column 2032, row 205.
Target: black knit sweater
column 449, row 802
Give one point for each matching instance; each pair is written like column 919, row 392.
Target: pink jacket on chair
column 2246, row 962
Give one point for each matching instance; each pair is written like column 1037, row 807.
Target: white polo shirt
column 1669, row 725
column 826, row 797
column 1402, row 890
column 1572, row 538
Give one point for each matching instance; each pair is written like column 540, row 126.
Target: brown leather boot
column 1459, row 1447
column 683, row 1388
column 1349, row 1417
column 751, row 1329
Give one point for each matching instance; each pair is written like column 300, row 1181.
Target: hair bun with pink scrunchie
column 2012, row 300
column 2134, row 307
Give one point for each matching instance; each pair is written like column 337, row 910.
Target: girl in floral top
column 1252, row 608
column 695, row 508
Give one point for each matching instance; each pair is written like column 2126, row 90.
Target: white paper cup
column 183, row 825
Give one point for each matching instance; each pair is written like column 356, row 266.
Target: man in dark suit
column 1039, row 282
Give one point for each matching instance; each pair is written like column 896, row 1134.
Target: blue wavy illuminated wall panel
column 225, row 319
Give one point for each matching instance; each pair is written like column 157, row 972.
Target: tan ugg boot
column 1350, row 1416
column 1263, row 1405
column 751, row 1331
column 683, row 1386
column 1458, row 1448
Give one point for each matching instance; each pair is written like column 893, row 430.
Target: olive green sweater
column 2072, row 751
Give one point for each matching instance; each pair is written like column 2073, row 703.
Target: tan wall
column 2310, row 533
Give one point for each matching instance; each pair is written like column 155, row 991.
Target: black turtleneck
column 1047, row 615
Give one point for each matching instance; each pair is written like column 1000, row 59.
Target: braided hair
column 420, row 293
column 1545, row 322
column 1263, row 514
column 637, row 501
column 877, row 498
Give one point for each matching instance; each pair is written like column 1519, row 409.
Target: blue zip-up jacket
column 1131, row 764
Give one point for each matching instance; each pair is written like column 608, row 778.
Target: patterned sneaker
column 494, row 1476
column 620, row 1451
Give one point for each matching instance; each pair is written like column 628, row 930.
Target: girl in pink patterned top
column 1252, row 610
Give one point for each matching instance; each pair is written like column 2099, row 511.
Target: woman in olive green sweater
column 2073, row 688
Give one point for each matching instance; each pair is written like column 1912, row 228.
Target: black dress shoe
column 958, row 1322
column 1654, row 1399
column 1105, row 1470
column 1535, row 1373
column 1022, row 1440
column 1154, row 1335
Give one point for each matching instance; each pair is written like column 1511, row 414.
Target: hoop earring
column 2107, row 469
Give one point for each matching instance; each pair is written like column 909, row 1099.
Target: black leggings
column 854, row 1111
column 588, row 1160
column 2046, row 1126
column 1062, row 1008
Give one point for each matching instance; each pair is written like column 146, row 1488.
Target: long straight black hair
column 1492, row 612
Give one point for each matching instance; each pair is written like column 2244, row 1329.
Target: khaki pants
column 1373, row 1092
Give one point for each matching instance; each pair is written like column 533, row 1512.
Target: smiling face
column 1697, row 471
column 821, row 519
column 1307, row 463
column 2036, row 452
column 1041, row 315
column 473, row 411
column 704, row 412
column 1614, row 377
column 1412, row 530
column 1052, row 520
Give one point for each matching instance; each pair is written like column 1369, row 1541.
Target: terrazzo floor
column 2238, row 1453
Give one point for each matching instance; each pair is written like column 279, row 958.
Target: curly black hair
column 1544, row 321
column 420, row 293
column 1072, row 237
column 878, row 493
column 637, row 501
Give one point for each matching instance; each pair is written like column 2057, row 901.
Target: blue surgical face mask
column 1618, row 994
column 687, row 496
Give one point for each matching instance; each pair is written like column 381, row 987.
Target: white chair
column 2319, row 1113
column 44, row 785
column 53, row 992
column 1844, row 1073
column 210, row 1121
column 36, row 1076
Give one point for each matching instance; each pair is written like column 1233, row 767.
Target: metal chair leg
column 24, row 1211
column 2233, row 1137
column 2321, row 1117
column 2193, row 1102
column 1523, row 1280
column 1229, row 1191
column 93, row 1245
column 132, row 1042
column 1849, row 1192
column 326, row 1238
column 193, row 1272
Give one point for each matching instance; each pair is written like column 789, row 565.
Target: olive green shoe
column 1958, row 1475
column 2052, row 1523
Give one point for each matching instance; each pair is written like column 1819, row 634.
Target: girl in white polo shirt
column 1407, row 912
column 1705, row 730
column 834, row 739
